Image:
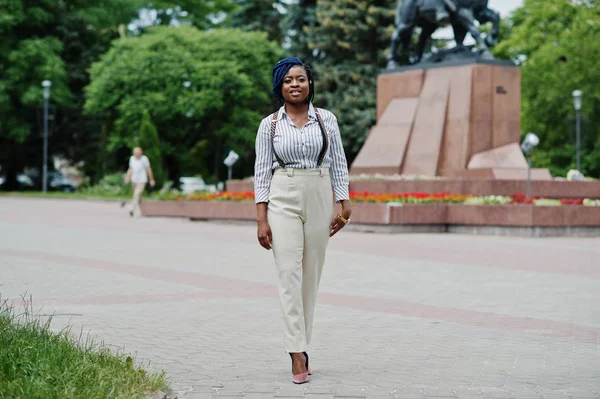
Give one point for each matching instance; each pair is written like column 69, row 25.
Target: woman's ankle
column 298, row 363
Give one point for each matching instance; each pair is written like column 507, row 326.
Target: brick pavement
column 405, row 316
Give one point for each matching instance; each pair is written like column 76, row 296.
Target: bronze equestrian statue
column 432, row 14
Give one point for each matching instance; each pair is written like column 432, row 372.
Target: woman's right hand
column 265, row 237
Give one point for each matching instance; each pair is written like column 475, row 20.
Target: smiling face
column 295, row 89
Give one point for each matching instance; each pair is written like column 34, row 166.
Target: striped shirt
column 299, row 148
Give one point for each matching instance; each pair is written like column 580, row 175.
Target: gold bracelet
column 343, row 219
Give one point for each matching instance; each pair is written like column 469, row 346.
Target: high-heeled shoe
column 308, row 370
column 298, row 378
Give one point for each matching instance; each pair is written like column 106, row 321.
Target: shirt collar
column 311, row 112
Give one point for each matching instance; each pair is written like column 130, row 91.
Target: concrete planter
column 365, row 213
column 207, row 210
column 362, row 213
column 164, row 208
column 529, row 220
column 418, row 214
column 524, row 215
column 211, row 210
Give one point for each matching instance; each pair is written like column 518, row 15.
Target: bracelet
column 343, row 219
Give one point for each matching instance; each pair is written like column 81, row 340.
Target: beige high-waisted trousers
column 299, row 213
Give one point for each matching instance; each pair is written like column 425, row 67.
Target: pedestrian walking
column 138, row 173
column 300, row 169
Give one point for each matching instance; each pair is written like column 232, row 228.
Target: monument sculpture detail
column 430, row 15
column 455, row 113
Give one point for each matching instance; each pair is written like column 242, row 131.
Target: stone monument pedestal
column 448, row 119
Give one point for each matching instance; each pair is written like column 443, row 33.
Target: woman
column 300, row 167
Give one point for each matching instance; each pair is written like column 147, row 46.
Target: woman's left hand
column 338, row 223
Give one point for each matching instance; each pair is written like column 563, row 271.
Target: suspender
column 273, row 124
column 325, row 139
column 323, row 133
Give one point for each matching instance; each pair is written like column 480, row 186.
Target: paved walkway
column 404, row 316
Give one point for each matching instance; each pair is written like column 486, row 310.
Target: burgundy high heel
column 299, row 378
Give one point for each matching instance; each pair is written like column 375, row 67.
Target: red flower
column 566, row 201
column 521, row 198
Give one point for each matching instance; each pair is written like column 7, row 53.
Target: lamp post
column 529, row 143
column 577, row 102
column 231, row 159
column 46, row 84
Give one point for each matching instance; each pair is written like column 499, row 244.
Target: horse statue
column 429, row 15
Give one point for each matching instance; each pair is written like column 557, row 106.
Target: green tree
column 558, row 46
column 259, row 15
column 206, row 92
column 149, row 141
column 201, row 14
column 299, row 20
column 533, row 25
column 53, row 40
column 350, row 38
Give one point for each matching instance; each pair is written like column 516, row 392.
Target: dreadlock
column 282, row 68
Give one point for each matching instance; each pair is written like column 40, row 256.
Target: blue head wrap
column 282, row 68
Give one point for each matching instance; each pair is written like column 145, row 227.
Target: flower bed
column 408, row 198
column 539, row 189
column 405, row 198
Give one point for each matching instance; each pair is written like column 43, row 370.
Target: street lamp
column 529, row 143
column 577, row 102
column 46, row 84
column 232, row 158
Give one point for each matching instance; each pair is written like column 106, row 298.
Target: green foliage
column 548, row 37
column 353, row 30
column 111, row 186
column 259, row 15
column 37, row 363
column 299, row 20
column 350, row 38
column 26, row 65
column 55, row 40
column 534, row 25
column 150, row 144
column 206, row 91
column 348, row 89
column 201, row 14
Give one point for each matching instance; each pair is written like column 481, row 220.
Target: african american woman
column 300, row 169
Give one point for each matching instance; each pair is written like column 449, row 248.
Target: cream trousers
column 300, row 211
column 138, row 191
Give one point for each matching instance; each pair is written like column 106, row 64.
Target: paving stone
column 198, row 395
column 406, row 316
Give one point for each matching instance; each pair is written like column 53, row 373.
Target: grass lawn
column 38, row 363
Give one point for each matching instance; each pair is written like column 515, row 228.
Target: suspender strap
column 273, row 125
column 325, row 139
column 323, row 133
